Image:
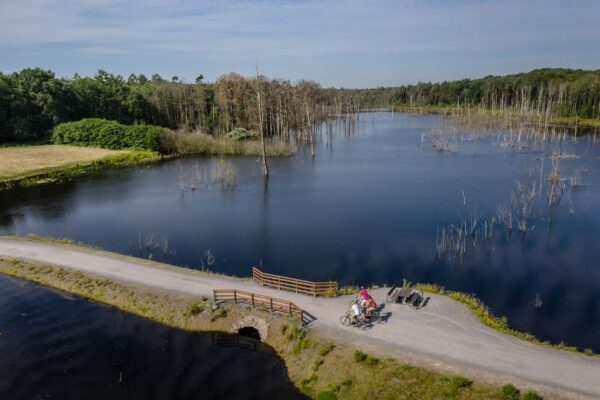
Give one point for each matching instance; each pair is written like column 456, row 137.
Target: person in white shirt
column 355, row 310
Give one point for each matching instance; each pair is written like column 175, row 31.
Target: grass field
column 16, row 161
column 32, row 165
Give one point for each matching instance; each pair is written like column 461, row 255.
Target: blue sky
column 337, row 43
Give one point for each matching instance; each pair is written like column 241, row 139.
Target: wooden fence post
column 234, row 296
column 290, row 309
column 271, row 304
column 252, row 300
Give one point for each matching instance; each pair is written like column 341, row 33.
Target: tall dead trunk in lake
column 265, row 167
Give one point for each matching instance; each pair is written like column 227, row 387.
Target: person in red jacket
column 371, row 306
column 363, row 293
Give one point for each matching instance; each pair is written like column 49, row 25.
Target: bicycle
column 348, row 320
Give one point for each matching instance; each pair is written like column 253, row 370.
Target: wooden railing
column 294, row 285
column 272, row 304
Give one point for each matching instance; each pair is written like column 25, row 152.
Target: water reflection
column 57, row 346
column 365, row 210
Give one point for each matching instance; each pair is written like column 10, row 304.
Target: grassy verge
column 77, row 168
column 447, row 109
column 320, row 368
column 484, row 314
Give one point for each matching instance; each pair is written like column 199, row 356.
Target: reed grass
column 199, row 143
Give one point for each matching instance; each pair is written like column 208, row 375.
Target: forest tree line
column 556, row 91
column 33, row 101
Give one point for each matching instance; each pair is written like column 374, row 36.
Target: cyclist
column 355, row 311
column 370, row 306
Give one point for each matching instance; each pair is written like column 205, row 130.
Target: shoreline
column 376, row 340
column 554, row 121
column 75, row 169
column 132, row 157
column 477, row 307
column 312, row 361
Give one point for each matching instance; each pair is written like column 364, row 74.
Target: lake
column 387, row 201
column 58, row 346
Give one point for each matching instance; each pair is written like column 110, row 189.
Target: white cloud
column 288, row 31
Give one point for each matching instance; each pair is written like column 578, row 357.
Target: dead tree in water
column 261, row 131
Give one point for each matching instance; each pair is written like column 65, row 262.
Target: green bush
column 509, row 392
column 531, row 395
column 460, row 382
column 241, row 134
column 108, row 134
column 359, row 356
column 327, row 396
column 195, row 309
column 334, row 387
column 370, row 360
column 326, row 349
column 317, row 363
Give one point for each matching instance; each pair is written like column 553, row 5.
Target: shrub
column 326, row 349
column 309, row 380
column 370, row 360
column 531, row 395
column 359, row 356
column 327, row 396
column 460, row 382
column 218, row 313
column 195, row 309
column 334, row 387
column 317, row 363
column 347, row 382
column 509, row 392
column 108, row 134
column 241, row 134
column 299, row 335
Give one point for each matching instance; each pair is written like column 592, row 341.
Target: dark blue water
column 54, row 346
column 367, row 209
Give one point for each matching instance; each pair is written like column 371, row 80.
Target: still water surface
column 55, row 346
column 366, row 210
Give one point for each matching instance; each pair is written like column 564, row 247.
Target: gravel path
column 443, row 333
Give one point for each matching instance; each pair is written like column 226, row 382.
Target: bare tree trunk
column 265, row 167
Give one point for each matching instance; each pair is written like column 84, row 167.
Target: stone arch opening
column 249, row 331
column 250, row 323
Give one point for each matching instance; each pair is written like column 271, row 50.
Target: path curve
column 445, row 333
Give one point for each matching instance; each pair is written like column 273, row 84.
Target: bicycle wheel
column 345, row 320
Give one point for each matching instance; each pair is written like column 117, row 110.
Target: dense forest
column 33, row 101
column 555, row 91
